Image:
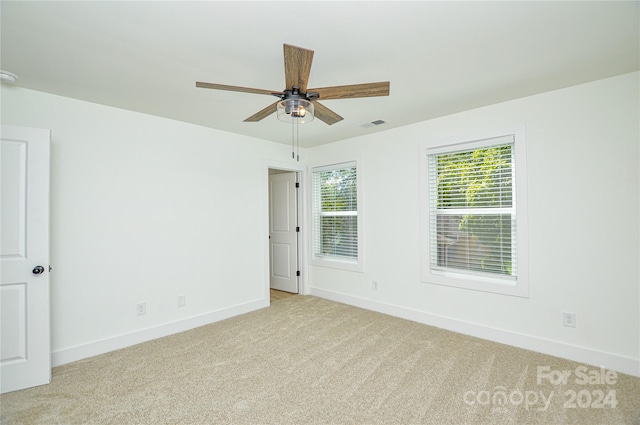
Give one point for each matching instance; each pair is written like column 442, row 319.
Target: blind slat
column 472, row 210
column 335, row 211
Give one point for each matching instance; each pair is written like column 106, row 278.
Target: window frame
column 336, row 262
column 486, row 282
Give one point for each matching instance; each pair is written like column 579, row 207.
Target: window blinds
column 335, row 211
column 472, row 216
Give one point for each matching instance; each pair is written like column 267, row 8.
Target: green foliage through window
column 335, row 213
column 473, row 212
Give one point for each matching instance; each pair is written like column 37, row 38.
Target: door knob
column 38, row 270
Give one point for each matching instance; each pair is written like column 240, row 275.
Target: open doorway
column 284, row 233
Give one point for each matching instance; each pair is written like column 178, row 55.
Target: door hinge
column 297, row 185
column 297, row 228
column 298, row 273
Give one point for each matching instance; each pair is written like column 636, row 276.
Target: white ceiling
column 440, row 57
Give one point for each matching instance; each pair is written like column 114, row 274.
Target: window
column 476, row 215
column 336, row 222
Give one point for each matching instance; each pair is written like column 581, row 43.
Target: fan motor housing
column 294, row 106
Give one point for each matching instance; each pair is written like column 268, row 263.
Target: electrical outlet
column 181, row 301
column 374, row 285
column 569, row 319
column 141, row 308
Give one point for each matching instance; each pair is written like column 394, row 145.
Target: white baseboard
column 622, row 364
column 94, row 348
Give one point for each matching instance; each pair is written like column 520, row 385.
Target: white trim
column 83, row 351
column 473, row 141
column 305, row 228
column 334, row 166
column 333, row 262
column 497, row 285
column 622, row 364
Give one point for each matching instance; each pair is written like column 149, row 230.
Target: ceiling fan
column 297, row 99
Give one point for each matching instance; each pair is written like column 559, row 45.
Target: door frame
column 300, row 169
column 292, row 234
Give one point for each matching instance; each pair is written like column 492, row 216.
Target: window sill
column 336, row 263
column 496, row 285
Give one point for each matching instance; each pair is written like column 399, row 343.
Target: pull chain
column 295, row 140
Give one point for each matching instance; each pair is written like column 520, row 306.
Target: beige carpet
column 306, row 360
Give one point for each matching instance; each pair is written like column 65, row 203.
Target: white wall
column 146, row 209
column 583, row 151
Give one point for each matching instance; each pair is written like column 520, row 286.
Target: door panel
column 14, row 322
column 283, row 246
column 25, row 356
column 14, row 179
column 281, row 260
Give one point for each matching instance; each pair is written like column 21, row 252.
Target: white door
column 283, row 237
column 25, row 353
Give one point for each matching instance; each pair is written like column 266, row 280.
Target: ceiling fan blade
column 297, row 67
column 325, row 114
column 354, row 90
column 264, row 113
column 235, row 88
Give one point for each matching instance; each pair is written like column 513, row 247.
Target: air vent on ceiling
column 374, row 123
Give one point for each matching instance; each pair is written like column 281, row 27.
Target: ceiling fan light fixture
column 299, row 110
column 8, row 78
